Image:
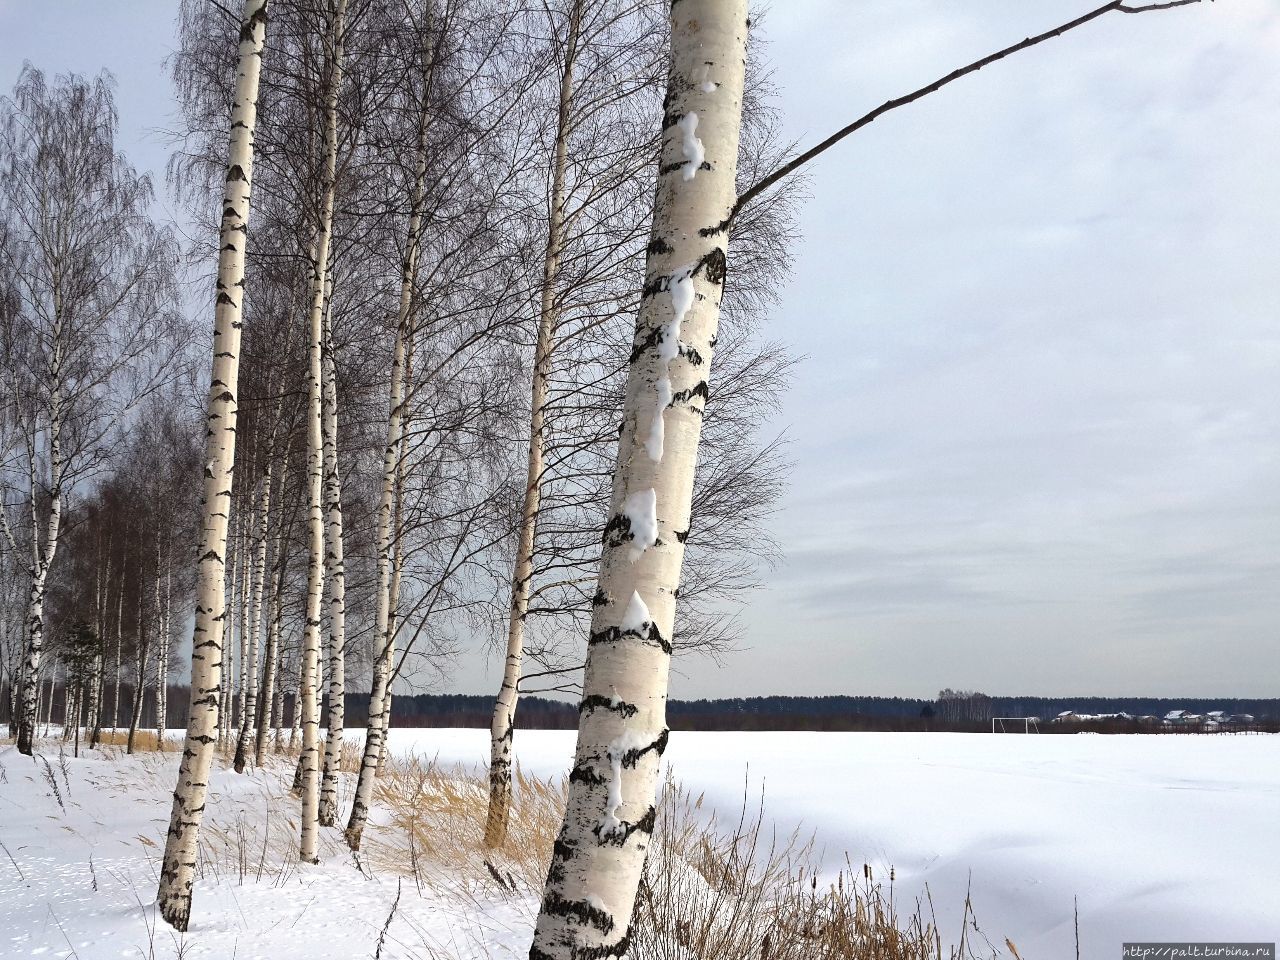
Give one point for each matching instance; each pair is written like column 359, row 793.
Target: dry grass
column 740, row 892
column 144, row 741
column 438, row 816
column 708, row 892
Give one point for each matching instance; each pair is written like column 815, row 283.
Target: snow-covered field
column 1160, row 837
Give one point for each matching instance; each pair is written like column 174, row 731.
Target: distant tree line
column 949, row 712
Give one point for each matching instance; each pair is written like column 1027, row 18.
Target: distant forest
column 956, row 712
column 951, row 711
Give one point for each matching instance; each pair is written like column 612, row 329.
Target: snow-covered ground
column 1160, row 837
column 78, row 875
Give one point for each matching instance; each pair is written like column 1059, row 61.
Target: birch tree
column 309, row 684
column 181, row 846
column 92, row 275
column 598, row 858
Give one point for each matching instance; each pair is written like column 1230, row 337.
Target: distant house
column 1070, row 716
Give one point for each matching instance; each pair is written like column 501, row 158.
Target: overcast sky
column 1037, row 430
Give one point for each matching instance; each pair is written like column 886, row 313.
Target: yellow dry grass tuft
column 438, row 816
column 144, row 741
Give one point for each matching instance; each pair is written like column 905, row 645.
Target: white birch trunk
column 162, row 660
column 231, row 585
column 310, row 667
column 115, row 707
column 246, row 575
column 388, row 535
column 44, row 544
column 335, row 570
column 502, row 726
column 181, row 846
column 250, row 714
column 267, row 698
column 599, row 856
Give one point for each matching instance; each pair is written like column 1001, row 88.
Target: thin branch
column 792, row 166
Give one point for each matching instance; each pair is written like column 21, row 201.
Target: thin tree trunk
column 162, row 660
column 388, row 534
column 310, row 667
column 246, row 574
column 397, row 559
column 44, row 543
column 599, row 855
column 180, row 854
column 140, row 676
column 277, row 705
column 335, row 571
column 250, row 712
column 99, row 655
column 115, row 706
column 269, row 696
column 502, row 725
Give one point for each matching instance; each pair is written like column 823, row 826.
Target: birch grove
column 481, row 232
column 85, row 325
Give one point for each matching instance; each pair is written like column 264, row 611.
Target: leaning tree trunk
column 335, row 572
column 376, row 721
column 599, row 855
column 502, row 725
column 180, row 853
column 230, row 586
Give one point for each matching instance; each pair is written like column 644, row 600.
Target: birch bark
column 388, row 534
column 44, row 538
column 179, row 862
column 267, row 712
column 310, row 667
column 502, row 726
column 250, row 714
column 599, row 856
column 335, row 570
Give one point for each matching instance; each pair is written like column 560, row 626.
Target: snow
column 641, row 508
column 1166, row 838
column 635, row 619
column 690, row 145
column 657, row 428
column 609, row 823
column 82, row 879
column 702, row 77
column 681, row 300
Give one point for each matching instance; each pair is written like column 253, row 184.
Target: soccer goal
column 1015, row 725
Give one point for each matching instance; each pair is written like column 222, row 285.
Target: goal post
column 1015, row 725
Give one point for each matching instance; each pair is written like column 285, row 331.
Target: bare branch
column 793, row 165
